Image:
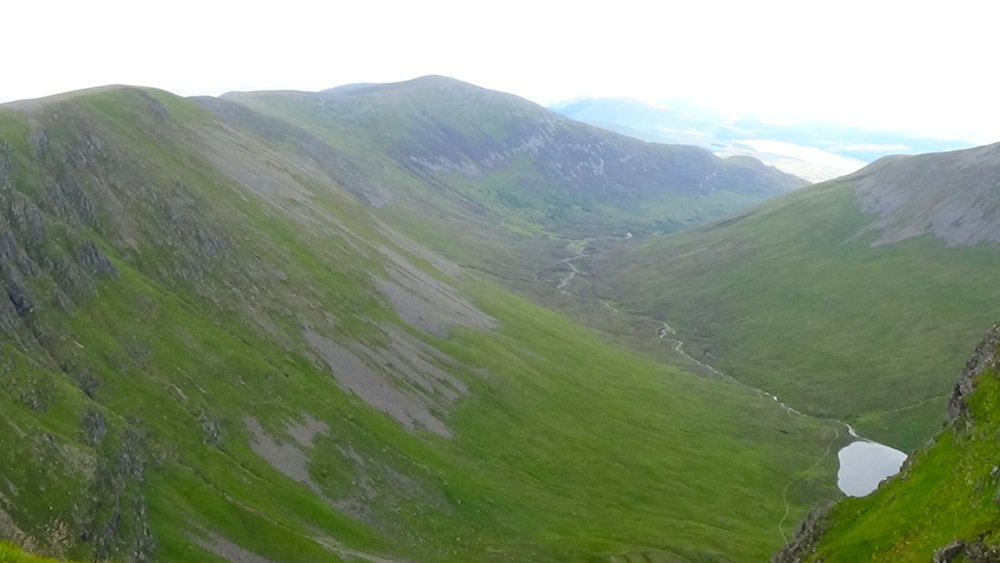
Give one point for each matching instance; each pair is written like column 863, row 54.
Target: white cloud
column 918, row 67
column 870, row 147
column 809, row 163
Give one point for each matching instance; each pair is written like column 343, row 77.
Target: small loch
column 865, row 464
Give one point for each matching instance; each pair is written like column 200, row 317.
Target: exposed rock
column 286, row 457
column 6, row 163
column 72, row 280
column 806, row 536
column 35, row 390
column 968, row 552
column 20, row 297
column 94, row 427
column 9, row 319
column 405, row 378
column 194, row 245
column 25, row 219
column 427, row 303
column 306, row 432
column 72, row 204
column 949, row 552
column 119, row 526
column 983, row 358
column 227, row 550
column 94, row 261
column 211, row 429
column 977, row 552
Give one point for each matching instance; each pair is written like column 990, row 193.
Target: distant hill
column 814, row 151
column 520, row 162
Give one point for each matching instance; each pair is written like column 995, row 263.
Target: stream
column 863, row 464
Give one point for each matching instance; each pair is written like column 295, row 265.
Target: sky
column 923, row 68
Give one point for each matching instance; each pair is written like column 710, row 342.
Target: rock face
column 971, row 552
column 983, row 357
column 948, row 195
column 806, row 536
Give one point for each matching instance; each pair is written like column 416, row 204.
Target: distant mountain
column 522, row 162
column 814, row 151
column 851, row 299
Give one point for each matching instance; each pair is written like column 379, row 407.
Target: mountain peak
column 426, row 82
column 75, row 95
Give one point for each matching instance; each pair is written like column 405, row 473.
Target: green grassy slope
column 12, row 554
column 793, row 298
column 946, row 493
column 162, row 270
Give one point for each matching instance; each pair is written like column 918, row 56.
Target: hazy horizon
column 893, row 66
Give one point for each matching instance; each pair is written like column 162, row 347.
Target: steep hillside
column 852, row 299
column 953, row 196
column 516, row 161
column 944, row 504
column 216, row 345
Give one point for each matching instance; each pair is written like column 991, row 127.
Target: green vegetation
column 947, row 492
column 12, row 554
column 155, row 347
column 793, row 298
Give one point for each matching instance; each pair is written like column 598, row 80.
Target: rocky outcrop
column 983, row 358
column 968, row 552
column 119, row 528
column 806, row 536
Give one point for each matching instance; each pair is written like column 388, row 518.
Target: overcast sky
column 917, row 67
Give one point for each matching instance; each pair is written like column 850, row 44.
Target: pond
column 865, row 464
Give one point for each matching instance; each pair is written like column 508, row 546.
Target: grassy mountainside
column 943, row 505
column 213, row 345
column 848, row 299
column 12, row 554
